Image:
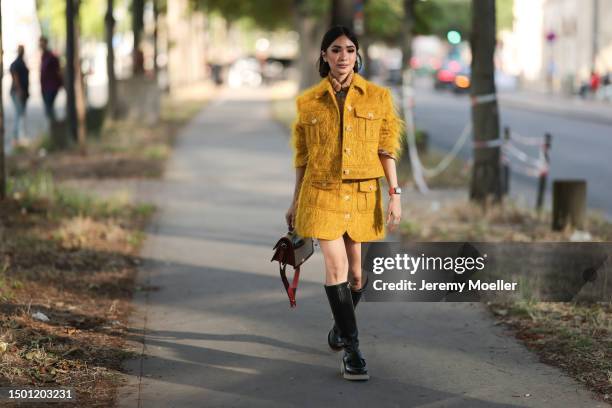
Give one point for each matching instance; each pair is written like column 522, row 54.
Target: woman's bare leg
column 336, row 261
column 353, row 251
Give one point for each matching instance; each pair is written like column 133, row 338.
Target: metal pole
column 544, row 171
column 506, row 163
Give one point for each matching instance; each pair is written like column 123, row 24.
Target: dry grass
column 74, row 258
column 75, row 264
column 125, row 149
column 574, row 337
column 508, row 222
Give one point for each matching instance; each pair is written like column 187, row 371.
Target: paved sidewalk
column 217, row 327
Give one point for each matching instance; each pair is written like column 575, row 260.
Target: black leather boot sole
column 347, row 375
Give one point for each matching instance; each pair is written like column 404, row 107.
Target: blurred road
column 581, row 145
column 214, row 325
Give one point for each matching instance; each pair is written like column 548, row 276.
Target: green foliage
column 384, row 19
column 505, row 14
column 437, row 17
column 52, row 15
column 35, row 188
column 92, row 14
column 267, row 14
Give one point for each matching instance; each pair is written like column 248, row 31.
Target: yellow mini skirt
column 326, row 210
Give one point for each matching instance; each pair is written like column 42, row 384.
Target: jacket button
column 347, row 150
column 347, row 216
column 314, row 120
column 349, row 108
column 349, row 128
column 346, row 171
column 370, row 115
column 347, row 197
column 371, row 188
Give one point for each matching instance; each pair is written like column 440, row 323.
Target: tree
column 407, row 33
column 75, row 92
column 2, row 163
column 71, row 114
column 109, row 20
column 137, row 28
column 342, row 13
column 310, row 29
column 486, row 175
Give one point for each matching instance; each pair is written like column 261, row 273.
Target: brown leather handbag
column 292, row 249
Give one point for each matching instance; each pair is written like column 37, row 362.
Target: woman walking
column 346, row 136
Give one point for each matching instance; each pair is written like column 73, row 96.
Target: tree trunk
column 79, row 91
column 110, row 61
column 342, row 13
column 2, row 153
column 364, row 44
column 71, row 112
column 155, row 36
column 137, row 27
column 406, row 46
column 407, row 36
column 486, row 173
column 310, row 31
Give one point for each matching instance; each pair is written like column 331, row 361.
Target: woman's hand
column 290, row 216
column 394, row 212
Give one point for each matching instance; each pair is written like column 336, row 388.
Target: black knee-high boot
column 340, row 300
column 333, row 337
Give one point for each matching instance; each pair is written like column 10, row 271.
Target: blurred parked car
column 245, row 72
column 444, row 77
column 462, row 81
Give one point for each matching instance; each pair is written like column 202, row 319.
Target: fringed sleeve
column 298, row 141
column 392, row 129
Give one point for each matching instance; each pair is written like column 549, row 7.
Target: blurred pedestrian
column 594, row 82
column 19, row 93
column 50, row 77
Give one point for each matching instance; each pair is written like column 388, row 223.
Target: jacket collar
column 325, row 86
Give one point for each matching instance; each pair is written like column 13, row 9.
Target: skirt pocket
column 324, row 195
column 366, row 195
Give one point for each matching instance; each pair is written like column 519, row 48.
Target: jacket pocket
column 367, row 194
column 313, row 122
column 369, row 121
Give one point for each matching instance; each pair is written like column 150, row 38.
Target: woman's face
column 341, row 56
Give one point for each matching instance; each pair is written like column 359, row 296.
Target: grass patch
column 123, row 148
column 457, row 174
column 67, row 268
column 68, row 260
column 576, row 337
column 507, row 222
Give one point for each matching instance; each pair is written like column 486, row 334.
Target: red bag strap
column 291, row 289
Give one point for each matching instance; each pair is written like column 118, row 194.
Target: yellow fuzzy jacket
column 370, row 124
column 327, row 207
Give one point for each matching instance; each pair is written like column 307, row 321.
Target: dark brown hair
column 329, row 37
